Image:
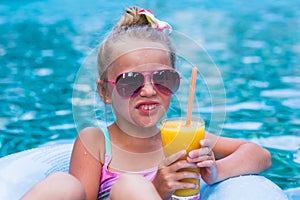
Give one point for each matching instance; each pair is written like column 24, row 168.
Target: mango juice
column 176, row 136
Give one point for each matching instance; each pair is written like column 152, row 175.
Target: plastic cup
column 177, row 136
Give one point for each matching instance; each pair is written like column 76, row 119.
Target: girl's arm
column 86, row 160
column 238, row 157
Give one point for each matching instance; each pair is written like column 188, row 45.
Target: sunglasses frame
column 151, row 74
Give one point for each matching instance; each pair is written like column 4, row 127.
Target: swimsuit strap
column 107, row 141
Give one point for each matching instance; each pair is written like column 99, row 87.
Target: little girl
column 137, row 76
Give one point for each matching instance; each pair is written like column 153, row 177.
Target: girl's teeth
column 148, row 107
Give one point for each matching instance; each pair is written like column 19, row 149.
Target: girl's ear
column 102, row 91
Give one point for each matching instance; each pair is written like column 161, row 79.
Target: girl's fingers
column 205, row 143
column 200, row 159
column 182, row 164
column 207, row 163
column 186, row 174
column 173, row 158
column 200, row 152
column 176, row 178
column 183, row 185
column 204, row 150
column 175, row 162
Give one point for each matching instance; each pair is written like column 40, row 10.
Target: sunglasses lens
column 167, row 81
column 128, row 84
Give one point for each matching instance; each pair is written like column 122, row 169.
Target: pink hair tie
column 155, row 23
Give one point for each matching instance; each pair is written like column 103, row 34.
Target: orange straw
column 191, row 96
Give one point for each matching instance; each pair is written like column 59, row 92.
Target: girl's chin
column 148, row 121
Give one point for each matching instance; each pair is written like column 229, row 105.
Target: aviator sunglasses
column 129, row 84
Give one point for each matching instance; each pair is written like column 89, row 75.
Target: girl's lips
column 147, row 107
column 146, row 103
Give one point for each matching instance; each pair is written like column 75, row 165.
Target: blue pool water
column 255, row 45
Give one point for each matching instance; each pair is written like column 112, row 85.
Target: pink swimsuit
column 109, row 178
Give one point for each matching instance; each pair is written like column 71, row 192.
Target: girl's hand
column 205, row 159
column 168, row 178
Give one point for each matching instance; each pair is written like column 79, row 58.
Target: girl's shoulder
column 91, row 133
column 93, row 140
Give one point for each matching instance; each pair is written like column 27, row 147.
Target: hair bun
column 132, row 17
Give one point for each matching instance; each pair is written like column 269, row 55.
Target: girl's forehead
column 142, row 59
column 137, row 48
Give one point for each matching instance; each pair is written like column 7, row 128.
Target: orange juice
column 176, row 136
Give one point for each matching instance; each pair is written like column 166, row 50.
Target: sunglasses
column 129, row 84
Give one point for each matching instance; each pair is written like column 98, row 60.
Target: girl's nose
column 148, row 90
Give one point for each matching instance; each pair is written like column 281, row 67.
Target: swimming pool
column 256, row 46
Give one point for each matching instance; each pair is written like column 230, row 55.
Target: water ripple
column 281, row 93
column 61, row 127
column 292, row 103
column 243, row 126
column 248, row 106
column 284, row 142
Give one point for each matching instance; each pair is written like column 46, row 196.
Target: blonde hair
column 131, row 27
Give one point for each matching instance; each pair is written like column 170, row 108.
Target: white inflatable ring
column 250, row 187
column 21, row 171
